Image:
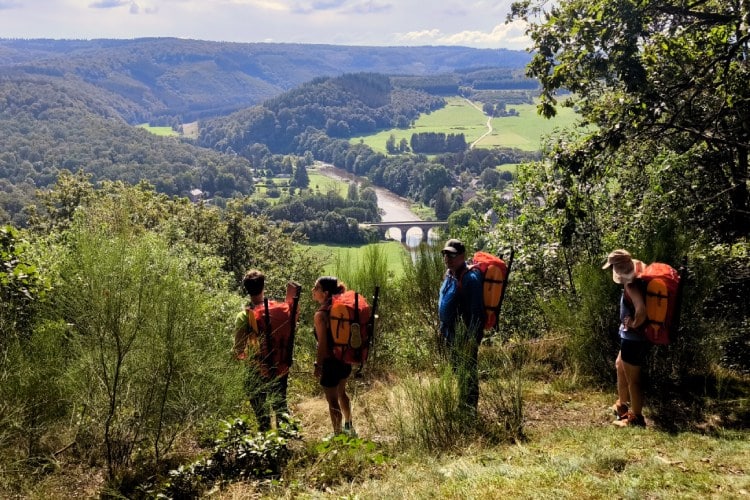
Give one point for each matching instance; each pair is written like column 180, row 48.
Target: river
column 392, row 207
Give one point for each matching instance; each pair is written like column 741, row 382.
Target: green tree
column 390, row 144
column 435, row 178
column 21, row 285
column 664, row 82
column 300, row 178
column 352, row 192
column 442, row 204
column 489, row 177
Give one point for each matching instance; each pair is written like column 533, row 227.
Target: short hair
column 254, row 282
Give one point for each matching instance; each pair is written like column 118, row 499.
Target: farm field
column 524, row 132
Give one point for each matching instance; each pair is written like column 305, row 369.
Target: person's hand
column 318, row 371
column 240, row 355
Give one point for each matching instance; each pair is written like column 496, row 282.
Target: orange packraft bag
column 275, row 324
column 352, row 322
column 494, row 273
column 662, row 294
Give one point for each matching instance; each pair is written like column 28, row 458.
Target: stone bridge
column 404, row 226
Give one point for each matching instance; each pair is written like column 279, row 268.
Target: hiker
column 634, row 346
column 461, row 312
column 331, row 372
column 266, row 381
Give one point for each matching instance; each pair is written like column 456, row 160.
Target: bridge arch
column 404, row 226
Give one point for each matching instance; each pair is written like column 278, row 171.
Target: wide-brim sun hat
column 624, row 267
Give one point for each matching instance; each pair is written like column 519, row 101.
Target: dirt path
column 368, row 402
column 489, row 125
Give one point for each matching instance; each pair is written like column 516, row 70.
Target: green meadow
column 162, row 131
column 525, row 131
column 325, row 184
column 337, row 257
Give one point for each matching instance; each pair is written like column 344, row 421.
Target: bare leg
column 343, row 399
column 633, row 376
column 623, row 389
column 334, row 408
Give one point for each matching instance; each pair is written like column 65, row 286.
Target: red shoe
column 620, row 410
column 630, row 420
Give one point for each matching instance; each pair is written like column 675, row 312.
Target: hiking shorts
column 634, row 352
column 333, row 372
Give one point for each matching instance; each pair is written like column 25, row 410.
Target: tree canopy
column 665, row 84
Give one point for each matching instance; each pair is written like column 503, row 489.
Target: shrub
column 144, row 331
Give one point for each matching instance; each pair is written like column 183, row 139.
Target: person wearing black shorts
column 634, row 347
column 332, row 373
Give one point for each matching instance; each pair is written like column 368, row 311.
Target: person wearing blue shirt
column 461, row 312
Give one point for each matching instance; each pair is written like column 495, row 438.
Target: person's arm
column 240, row 335
column 639, row 304
column 321, row 333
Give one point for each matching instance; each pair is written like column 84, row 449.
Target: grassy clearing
column 337, row 256
column 324, row 184
column 162, row 131
column 597, row 462
column 527, row 130
column 457, row 117
column 571, row 451
column 524, row 132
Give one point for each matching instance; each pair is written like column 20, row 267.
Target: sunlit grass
column 162, row 131
column 335, row 255
column 524, row 132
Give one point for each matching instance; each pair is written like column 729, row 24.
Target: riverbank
column 392, row 207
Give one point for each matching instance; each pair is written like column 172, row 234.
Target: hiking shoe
column 630, row 420
column 620, row 410
column 349, row 430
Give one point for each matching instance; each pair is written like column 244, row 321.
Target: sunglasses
column 450, row 255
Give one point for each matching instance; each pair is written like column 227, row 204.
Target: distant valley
column 70, row 105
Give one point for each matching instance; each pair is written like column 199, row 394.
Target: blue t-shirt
column 464, row 303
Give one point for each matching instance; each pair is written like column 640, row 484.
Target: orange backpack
column 273, row 327
column 494, row 273
column 662, row 285
column 352, row 323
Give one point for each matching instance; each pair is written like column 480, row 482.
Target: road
column 489, row 125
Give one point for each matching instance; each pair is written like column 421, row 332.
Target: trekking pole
column 267, row 358
column 505, row 287
column 682, row 272
column 373, row 312
column 370, row 327
column 293, row 319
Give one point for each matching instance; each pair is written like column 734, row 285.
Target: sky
column 468, row 23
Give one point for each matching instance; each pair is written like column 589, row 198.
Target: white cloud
column 510, row 35
column 474, row 23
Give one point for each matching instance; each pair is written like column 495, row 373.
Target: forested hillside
column 48, row 126
column 166, row 79
column 341, row 107
column 71, row 104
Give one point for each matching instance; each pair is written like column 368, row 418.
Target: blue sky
column 470, row 23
